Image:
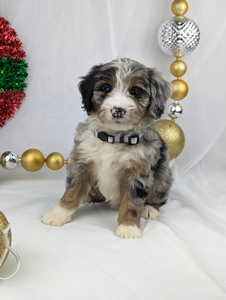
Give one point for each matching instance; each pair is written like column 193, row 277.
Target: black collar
column 117, row 138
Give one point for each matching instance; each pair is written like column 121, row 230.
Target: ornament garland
column 33, row 160
column 177, row 36
column 13, row 72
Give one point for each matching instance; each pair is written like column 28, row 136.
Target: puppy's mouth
column 118, row 121
column 121, row 124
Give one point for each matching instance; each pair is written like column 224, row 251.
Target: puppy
column 118, row 156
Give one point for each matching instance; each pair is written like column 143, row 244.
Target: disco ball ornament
column 178, row 36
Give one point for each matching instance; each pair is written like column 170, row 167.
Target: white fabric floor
column 182, row 254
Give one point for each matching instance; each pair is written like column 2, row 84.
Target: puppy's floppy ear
column 160, row 92
column 86, row 87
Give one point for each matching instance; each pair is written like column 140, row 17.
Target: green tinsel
column 13, row 73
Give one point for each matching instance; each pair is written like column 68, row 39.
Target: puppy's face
column 122, row 92
column 122, row 98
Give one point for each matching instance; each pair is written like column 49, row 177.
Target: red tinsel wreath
column 13, row 72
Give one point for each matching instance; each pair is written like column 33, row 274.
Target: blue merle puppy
column 118, row 156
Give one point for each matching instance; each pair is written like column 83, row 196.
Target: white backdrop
column 185, row 248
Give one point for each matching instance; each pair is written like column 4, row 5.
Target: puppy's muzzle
column 118, row 112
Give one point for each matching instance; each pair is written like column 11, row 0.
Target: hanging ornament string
column 177, row 36
column 13, row 72
column 33, row 160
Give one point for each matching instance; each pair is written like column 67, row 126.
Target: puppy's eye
column 135, row 91
column 106, row 89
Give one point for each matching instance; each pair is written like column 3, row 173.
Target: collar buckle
column 103, row 136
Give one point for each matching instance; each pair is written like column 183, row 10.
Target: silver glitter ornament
column 174, row 110
column 9, row 160
column 178, row 36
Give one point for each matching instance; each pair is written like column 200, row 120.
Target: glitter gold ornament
column 32, row 160
column 172, row 135
column 5, row 246
column 179, row 90
column 55, row 161
column 3, row 251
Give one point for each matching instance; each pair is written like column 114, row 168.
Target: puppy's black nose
column 118, row 112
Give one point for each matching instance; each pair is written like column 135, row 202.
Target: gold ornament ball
column 3, row 225
column 180, row 89
column 172, row 135
column 178, row 68
column 55, row 161
column 32, row 160
column 179, row 7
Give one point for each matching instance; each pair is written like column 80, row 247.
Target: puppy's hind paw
column 150, row 212
column 58, row 217
column 128, row 232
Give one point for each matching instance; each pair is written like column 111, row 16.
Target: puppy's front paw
column 149, row 212
column 58, row 217
column 54, row 220
column 128, row 232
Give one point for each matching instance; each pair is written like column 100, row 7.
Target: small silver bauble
column 174, row 110
column 9, row 160
column 178, row 36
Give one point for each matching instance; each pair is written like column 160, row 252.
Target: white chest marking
column 108, row 160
